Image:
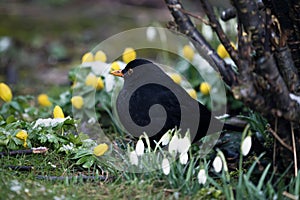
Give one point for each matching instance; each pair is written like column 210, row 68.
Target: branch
column 186, row 27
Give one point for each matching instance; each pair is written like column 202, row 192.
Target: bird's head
column 130, row 67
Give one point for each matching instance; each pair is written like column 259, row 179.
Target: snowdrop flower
column 202, row 176
column 165, row 165
column 246, row 145
column 165, row 139
column 139, row 148
column 184, row 144
column 183, row 158
column 174, row 144
column 217, row 164
column 133, row 158
column 207, row 32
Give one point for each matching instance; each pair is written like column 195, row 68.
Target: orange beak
column 117, row 73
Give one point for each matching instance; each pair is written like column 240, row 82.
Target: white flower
column 151, row 33
column 49, row 122
column 202, row 177
column 184, row 144
column 165, row 139
column 173, row 145
column 217, row 164
column 207, row 32
column 183, row 158
column 133, row 158
column 139, row 148
column 165, row 165
column 246, row 145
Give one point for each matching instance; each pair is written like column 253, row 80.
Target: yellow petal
column 58, row 112
column 100, row 84
column 22, row 135
column 222, row 52
column 91, row 80
column 100, row 56
column 115, row 66
column 5, row 92
column 129, row 54
column 205, row 88
column 192, row 93
column 100, row 149
column 188, row 52
column 176, row 78
column 77, row 102
column 87, row 57
column 43, row 100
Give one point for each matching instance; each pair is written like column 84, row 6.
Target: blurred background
column 41, row 40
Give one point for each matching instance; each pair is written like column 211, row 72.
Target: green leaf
column 82, row 153
column 89, row 162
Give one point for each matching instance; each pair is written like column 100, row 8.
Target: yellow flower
column 91, row 80
column 114, row 66
column 58, row 112
column 77, row 102
column 100, row 84
column 22, row 135
column 192, row 93
column 222, row 52
column 87, row 57
column 25, row 144
column 43, row 100
column 100, row 56
column 205, row 88
column 5, row 92
column 129, row 54
column 188, row 52
column 176, row 78
column 100, row 149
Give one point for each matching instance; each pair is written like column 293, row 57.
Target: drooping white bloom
column 49, row 122
column 202, row 176
column 165, row 165
column 184, row 144
column 246, row 145
column 165, row 139
column 173, row 145
column 217, row 164
column 207, row 32
column 183, row 158
column 139, row 148
column 133, row 158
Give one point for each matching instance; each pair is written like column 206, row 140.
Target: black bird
column 150, row 101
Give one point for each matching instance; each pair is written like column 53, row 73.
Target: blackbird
column 150, row 101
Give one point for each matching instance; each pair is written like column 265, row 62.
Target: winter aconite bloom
column 115, row 66
column 246, row 145
column 222, row 52
column 87, row 57
column 100, row 149
column 176, row 78
column 100, row 84
column 58, row 112
column 5, row 92
column 133, row 158
column 100, row 56
column 43, row 100
column 192, row 93
column 91, row 80
column 22, row 135
column 77, row 102
column 202, row 177
column 128, row 55
column 217, row 164
column 165, row 165
column 139, row 148
column 205, row 88
column 188, row 52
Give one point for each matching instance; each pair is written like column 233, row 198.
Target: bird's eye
column 130, row 71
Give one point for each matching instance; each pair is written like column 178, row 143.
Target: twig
column 19, row 168
column 186, row 27
column 279, row 139
column 216, row 26
column 289, row 195
column 26, row 151
column 294, row 150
